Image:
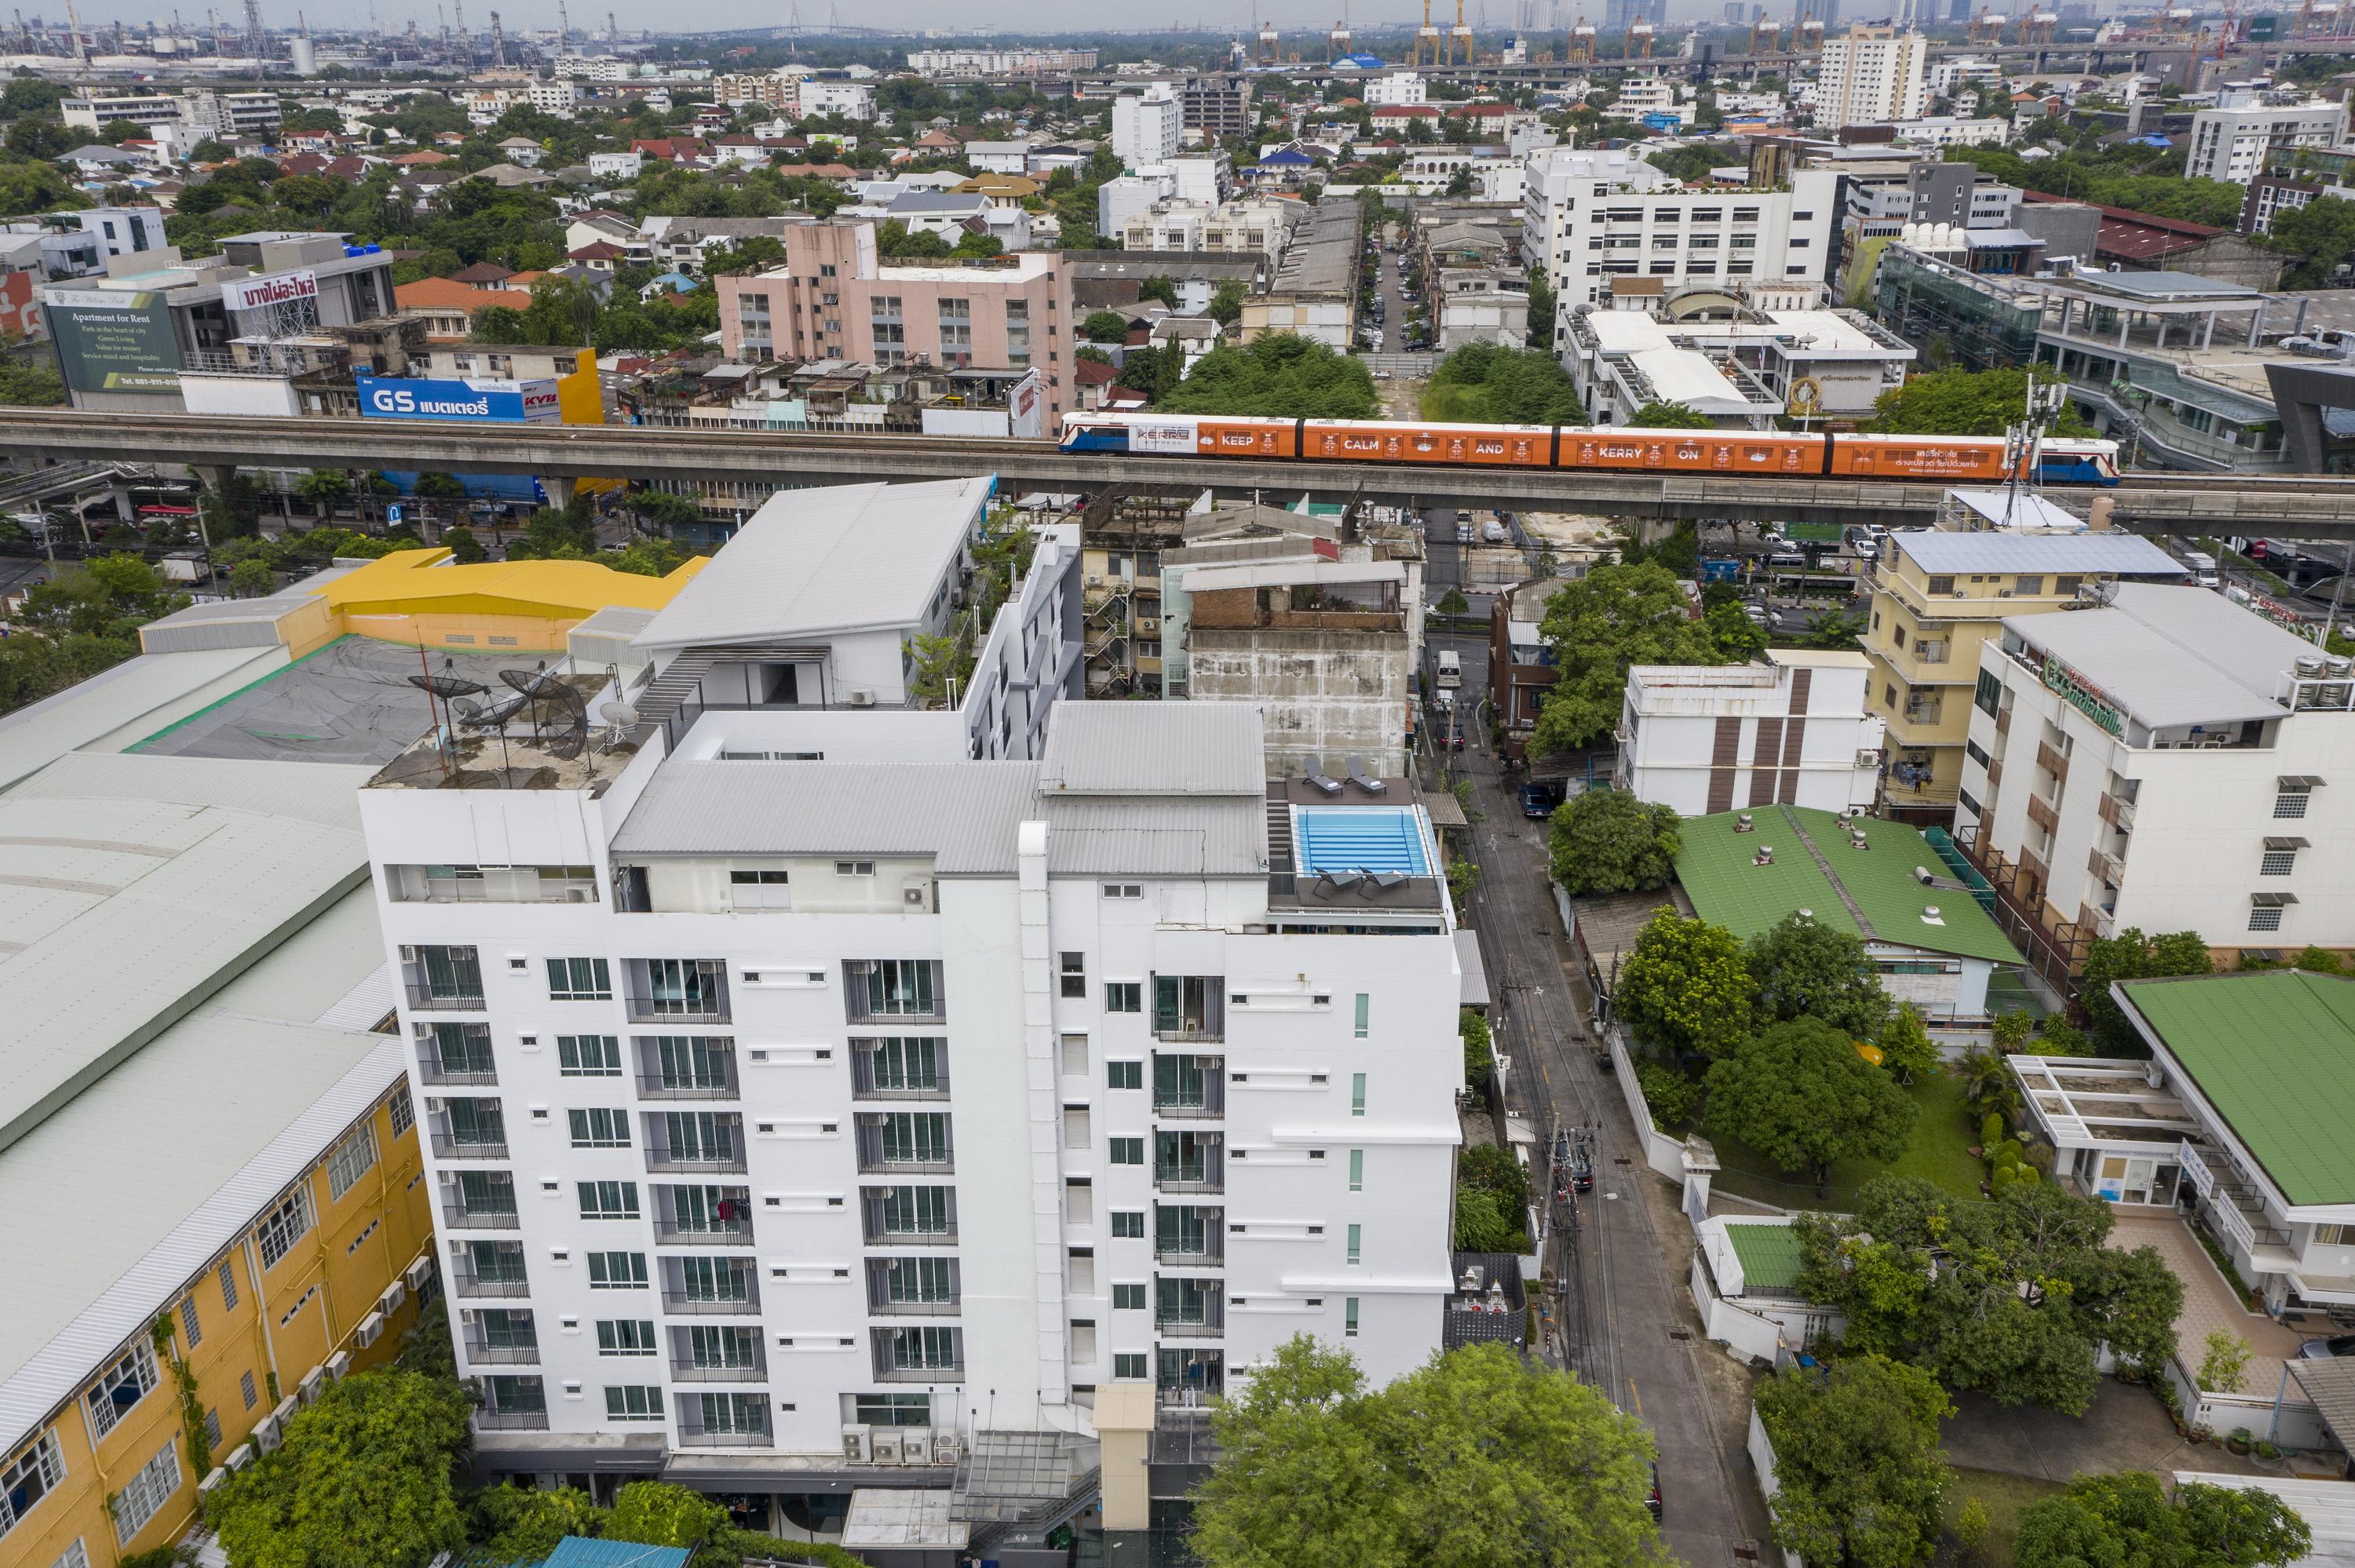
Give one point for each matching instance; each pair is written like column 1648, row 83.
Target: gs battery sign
column 465, row 402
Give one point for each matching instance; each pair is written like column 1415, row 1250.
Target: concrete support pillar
column 2207, row 334
column 122, row 507
column 560, row 491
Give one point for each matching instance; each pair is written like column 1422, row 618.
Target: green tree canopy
column 1482, row 384
column 2145, row 179
column 1607, row 840
column 1684, row 988
column 2128, row 1518
column 2322, row 232
column 2022, row 1295
column 1860, row 1478
column 1799, row 1094
column 2130, row 955
column 1614, row 617
column 1962, row 403
column 1542, row 305
column 1104, row 326
column 1281, row 375
column 365, row 1478
column 1477, row 1460
column 1805, row 967
column 1659, row 416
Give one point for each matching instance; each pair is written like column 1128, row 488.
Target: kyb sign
column 278, row 288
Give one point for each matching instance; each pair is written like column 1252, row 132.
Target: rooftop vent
column 1765, row 855
column 1742, row 824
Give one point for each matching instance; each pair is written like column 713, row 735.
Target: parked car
column 1462, row 531
column 2324, row 1349
column 1494, row 531
column 1653, row 1502
column 1788, row 560
column 1540, row 796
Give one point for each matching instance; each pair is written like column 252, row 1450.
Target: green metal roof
column 1769, row 1255
column 1727, row 890
column 2275, row 1053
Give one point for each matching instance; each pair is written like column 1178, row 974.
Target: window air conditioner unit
column 212, row 1483
column 861, row 697
column 314, row 1385
column 394, row 1295
column 239, row 1458
column 419, row 1272
column 915, row 895
column 916, row 1447
column 856, row 1449
column 338, row 1366
column 947, row 1447
column 371, row 1330
column 886, row 1446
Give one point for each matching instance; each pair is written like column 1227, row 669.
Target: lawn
column 2003, row 1496
column 1942, row 1137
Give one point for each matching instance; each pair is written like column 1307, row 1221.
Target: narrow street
column 1625, row 1316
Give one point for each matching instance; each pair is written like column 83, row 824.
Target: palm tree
column 322, row 488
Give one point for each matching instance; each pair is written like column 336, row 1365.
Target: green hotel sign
column 2086, row 698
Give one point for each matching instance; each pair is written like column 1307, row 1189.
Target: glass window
column 1365, row 1004
column 617, row 1270
column 609, row 1200
column 284, row 1226
column 1356, row 1239
column 1356, row 1171
column 1128, row 1150
column 580, row 980
column 892, row 1409
column 633, row 1402
column 1350, row 1317
column 1129, row 1364
column 144, row 1494
column 1125, row 1074
column 1128, row 1223
column 600, row 1128
column 229, row 1287
column 1128, row 1298
column 36, row 1471
column 1357, row 1094
column 1124, row 996
column 1075, row 977
column 625, row 1336
column 354, row 1158
column 589, row 1055
column 1989, row 692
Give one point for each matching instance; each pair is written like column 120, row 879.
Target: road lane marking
column 1636, row 1397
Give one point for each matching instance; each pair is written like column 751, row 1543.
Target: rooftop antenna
column 499, row 44
column 257, row 42
column 612, row 29
column 563, row 29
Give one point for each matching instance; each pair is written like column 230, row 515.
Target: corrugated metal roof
column 140, row 695
column 2172, row 656
column 1216, row 837
column 816, row 561
column 1155, row 749
column 194, row 1151
column 1475, row 990
column 1769, row 1254
column 962, row 813
column 110, row 856
column 2128, row 554
column 585, row 1552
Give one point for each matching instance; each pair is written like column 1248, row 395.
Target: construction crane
column 1266, row 45
column 1582, row 42
column 1460, row 37
column 499, row 44
column 1987, row 26
column 2038, row 26
column 1766, row 33
column 1426, row 39
column 73, row 26
column 1811, row 34
column 1638, row 44
column 257, row 42
column 1337, row 42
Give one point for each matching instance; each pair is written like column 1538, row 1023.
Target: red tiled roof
column 2139, row 236
column 448, row 294
column 598, row 251
column 1406, row 110
column 1094, row 373
column 423, row 157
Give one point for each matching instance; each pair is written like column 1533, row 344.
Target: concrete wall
column 1762, row 1454
column 1329, row 694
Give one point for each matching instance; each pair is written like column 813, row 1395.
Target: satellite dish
column 621, row 715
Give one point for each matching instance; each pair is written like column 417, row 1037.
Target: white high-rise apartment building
column 1396, row 86
column 834, row 1085
column 1871, row 75
column 1145, row 126
column 2232, row 144
column 1588, row 217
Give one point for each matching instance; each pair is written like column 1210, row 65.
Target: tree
column 2128, row 1518
column 1539, row 324
column 1454, row 603
column 1860, row 1477
column 1281, row 375
column 1483, row 1223
column 2130, row 955
column 1104, row 326
column 1484, row 384
column 1659, row 416
column 365, row 1478
column 1806, row 968
column 1800, row 1096
column 463, row 546
column 523, row 1525
column 1962, row 403
column 252, row 579
column 1684, row 987
column 1614, row 617
column 656, row 1513
column 1226, row 306
column 1905, row 1047
column 1475, row 1459
column 1737, row 639
column 323, row 487
column 1160, row 286
column 1607, row 840
column 30, row 384
column 2013, row 1298
column 2322, row 232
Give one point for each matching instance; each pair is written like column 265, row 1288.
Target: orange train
column 1947, row 460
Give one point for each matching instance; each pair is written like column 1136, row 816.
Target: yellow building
column 424, row 598
column 209, row 1184
column 1936, row 596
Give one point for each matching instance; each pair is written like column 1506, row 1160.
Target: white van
column 2203, row 567
column 1451, row 670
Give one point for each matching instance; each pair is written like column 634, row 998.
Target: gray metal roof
column 2127, row 555
column 964, row 815
column 193, row 1152
column 1218, row 836
column 131, row 887
column 1475, row 973
column 2172, row 656
column 1155, row 749
column 810, row 562
column 128, row 702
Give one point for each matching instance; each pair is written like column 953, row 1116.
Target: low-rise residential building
column 2172, row 719
column 1932, row 946
column 1795, row 730
column 1520, row 665
column 1314, row 290
column 1744, row 369
column 2238, row 145
column 1937, row 598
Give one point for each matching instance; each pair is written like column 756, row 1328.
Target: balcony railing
column 1211, row 1256
column 953, row 1372
column 423, row 998
column 718, row 1232
column 668, row 1160
column 482, row 1352
column 446, row 1147
column 1209, row 1105
column 468, row 1283
column 1198, row 1176
column 460, row 1218
column 2052, row 761
column 1211, row 1326
column 884, row 1306
column 672, row 1086
column 755, row 1370
column 691, row 1439
column 681, row 1305
column 648, row 1008
column 488, row 1420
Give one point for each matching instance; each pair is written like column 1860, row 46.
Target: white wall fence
column 1762, row 1456
column 1661, row 1152
column 2281, row 1414
column 1760, row 1338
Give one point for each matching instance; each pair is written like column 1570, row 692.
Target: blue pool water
column 1358, row 838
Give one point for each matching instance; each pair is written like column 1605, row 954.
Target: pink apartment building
column 836, row 298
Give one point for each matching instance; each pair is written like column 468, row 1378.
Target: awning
column 1476, row 973
column 2330, row 1382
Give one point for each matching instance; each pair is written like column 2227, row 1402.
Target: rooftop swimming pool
column 1371, row 839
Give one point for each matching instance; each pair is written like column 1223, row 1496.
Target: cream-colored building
column 1936, row 595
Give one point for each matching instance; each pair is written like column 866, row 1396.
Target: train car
column 1949, row 459
column 1475, row 446
column 2079, row 462
column 1630, row 449
column 1181, row 435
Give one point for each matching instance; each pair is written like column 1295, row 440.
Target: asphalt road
column 1624, row 1299
column 1394, row 308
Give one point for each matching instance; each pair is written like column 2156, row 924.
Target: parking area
column 2211, row 1302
